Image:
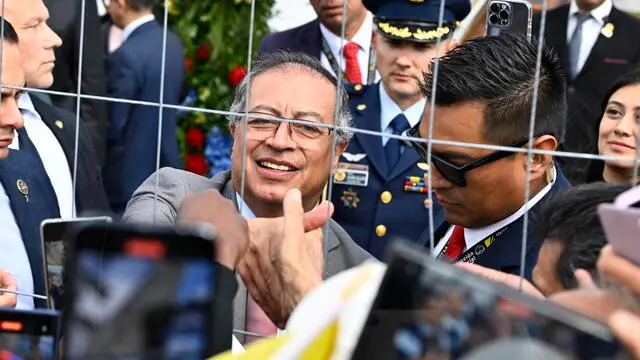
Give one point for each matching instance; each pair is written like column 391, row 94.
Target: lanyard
column 471, row 256
column 371, row 70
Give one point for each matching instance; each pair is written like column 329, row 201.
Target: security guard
column 380, row 190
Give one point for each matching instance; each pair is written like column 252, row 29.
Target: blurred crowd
column 377, row 121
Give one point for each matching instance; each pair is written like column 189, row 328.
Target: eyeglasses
column 261, row 127
column 452, row 172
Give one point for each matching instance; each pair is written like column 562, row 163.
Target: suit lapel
column 602, row 46
column 310, row 39
column 408, row 159
column 556, row 32
column 51, row 118
column 369, row 119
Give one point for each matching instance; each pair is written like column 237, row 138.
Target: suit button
column 381, row 230
column 571, row 89
column 386, row 197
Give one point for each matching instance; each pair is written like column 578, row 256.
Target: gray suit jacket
column 174, row 185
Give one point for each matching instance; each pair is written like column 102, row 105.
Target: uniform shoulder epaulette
column 355, row 90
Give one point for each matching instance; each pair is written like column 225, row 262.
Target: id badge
column 352, row 174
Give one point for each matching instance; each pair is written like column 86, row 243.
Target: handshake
column 280, row 260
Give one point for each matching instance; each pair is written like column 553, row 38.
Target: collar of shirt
column 129, row 29
column 599, row 13
column 362, row 37
column 389, row 110
column 474, row 236
column 29, row 113
column 245, row 210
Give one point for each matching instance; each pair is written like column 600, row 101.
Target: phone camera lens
column 504, row 14
column 493, row 19
column 504, row 22
column 494, row 7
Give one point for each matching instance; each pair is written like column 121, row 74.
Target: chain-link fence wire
column 429, row 140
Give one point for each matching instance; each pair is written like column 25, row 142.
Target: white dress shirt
column 13, row 256
column 389, row 110
column 51, row 153
column 590, row 28
column 474, row 236
column 129, row 29
column 362, row 38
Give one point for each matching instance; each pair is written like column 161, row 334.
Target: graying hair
column 292, row 60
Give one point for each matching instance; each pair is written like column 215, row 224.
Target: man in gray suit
column 280, row 156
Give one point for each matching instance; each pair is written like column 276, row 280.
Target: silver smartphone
column 513, row 17
column 55, row 235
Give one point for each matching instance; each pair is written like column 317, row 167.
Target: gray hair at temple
column 283, row 60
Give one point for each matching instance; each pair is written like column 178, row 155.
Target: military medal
column 350, row 199
column 607, row 30
column 423, row 166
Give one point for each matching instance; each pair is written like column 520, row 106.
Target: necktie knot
column 582, row 16
column 400, row 124
column 351, row 50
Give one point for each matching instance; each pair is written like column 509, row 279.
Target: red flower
column 204, row 52
column 195, row 138
column 188, row 64
column 197, row 164
column 236, row 75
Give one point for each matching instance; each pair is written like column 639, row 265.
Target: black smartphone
column 513, row 17
column 142, row 293
column 428, row 309
column 56, row 234
column 29, row 334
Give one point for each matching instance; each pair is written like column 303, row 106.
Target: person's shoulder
column 293, row 32
column 631, row 23
column 353, row 251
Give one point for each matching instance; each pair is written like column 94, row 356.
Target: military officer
column 380, row 190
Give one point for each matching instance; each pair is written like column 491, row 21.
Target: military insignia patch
column 350, row 199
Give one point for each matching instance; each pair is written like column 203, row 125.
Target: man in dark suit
column 279, row 157
column 483, row 95
column 596, row 43
column 53, row 131
column 26, row 194
column 379, row 188
column 134, row 72
column 66, row 21
column 321, row 38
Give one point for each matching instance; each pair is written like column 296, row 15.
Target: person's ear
column 375, row 39
column 340, row 148
column 540, row 162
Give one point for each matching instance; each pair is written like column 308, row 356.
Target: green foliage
column 223, row 27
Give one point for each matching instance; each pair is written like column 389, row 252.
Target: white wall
column 291, row 13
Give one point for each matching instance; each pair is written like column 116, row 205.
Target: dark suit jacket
column 65, row 20
column 306, row 38
column 174, row 185
column 406, row 214
column 134, row 73
column 29, row 211
column 90, row 195
column 609, row 59
column 504, row 254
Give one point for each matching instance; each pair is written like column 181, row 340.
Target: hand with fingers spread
column 285, row 259
column 7, row 282
column 213, row 209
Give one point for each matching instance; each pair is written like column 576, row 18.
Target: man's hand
column 7, row 282
column 285, row 257
column 498, row 276
column 619, row 270
column 626, row 326
column 233, row 233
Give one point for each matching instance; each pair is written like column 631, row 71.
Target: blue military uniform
column 377, row 202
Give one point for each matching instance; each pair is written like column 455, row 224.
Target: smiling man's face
column 277, row 162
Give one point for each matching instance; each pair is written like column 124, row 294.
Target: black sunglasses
column 449, row 171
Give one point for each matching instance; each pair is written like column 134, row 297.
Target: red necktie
column 353, row 67
column 456, row 243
